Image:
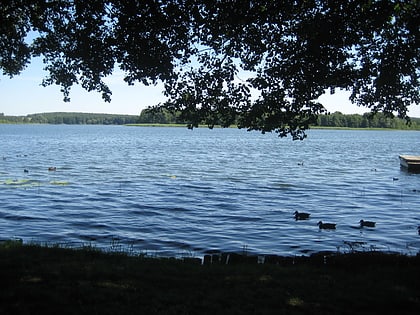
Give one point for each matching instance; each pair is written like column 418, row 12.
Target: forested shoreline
column 366, row 120
column 334, row 120
column 69, row 118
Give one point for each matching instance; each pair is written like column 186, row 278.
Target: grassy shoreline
column 51, row 280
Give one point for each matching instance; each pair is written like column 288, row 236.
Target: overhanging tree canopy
column 266, row 62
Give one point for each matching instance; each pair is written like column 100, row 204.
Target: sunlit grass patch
column 295, row 301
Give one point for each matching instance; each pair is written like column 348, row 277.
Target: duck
column 301, row 215
column 326, row 226
column 52, row 168
column 367, row 223
column 26, row 170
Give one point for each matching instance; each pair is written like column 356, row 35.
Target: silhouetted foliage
column 262, row 63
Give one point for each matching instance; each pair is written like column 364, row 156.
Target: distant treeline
column 367, row 120
column 336, row 119
column 71, row 119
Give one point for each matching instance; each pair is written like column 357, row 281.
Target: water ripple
column 172, row 192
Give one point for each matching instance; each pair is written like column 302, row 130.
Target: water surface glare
column 172, row 191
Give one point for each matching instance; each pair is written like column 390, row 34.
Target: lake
column 177, row 192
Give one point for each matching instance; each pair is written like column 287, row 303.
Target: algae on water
column 59, row 182
column 18, row 183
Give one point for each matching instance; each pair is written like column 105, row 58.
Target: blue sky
column 24, row 95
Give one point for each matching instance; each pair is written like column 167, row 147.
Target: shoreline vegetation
column 335, row 120
column 39, row 279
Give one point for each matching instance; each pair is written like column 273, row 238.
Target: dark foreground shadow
column 53, row 280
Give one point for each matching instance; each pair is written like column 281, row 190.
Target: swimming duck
column 52, row 168
column 367, row 223
column 301, row 215
column 326, row 226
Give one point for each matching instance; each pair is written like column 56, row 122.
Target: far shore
column 205, row 126
column 234, row 126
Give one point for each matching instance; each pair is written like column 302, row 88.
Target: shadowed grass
column 53, row 280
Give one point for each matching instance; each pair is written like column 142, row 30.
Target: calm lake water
column 176, row 192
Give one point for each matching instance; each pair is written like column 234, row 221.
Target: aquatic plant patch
column 59, row 182
column 25, row 183
column 20, row 182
